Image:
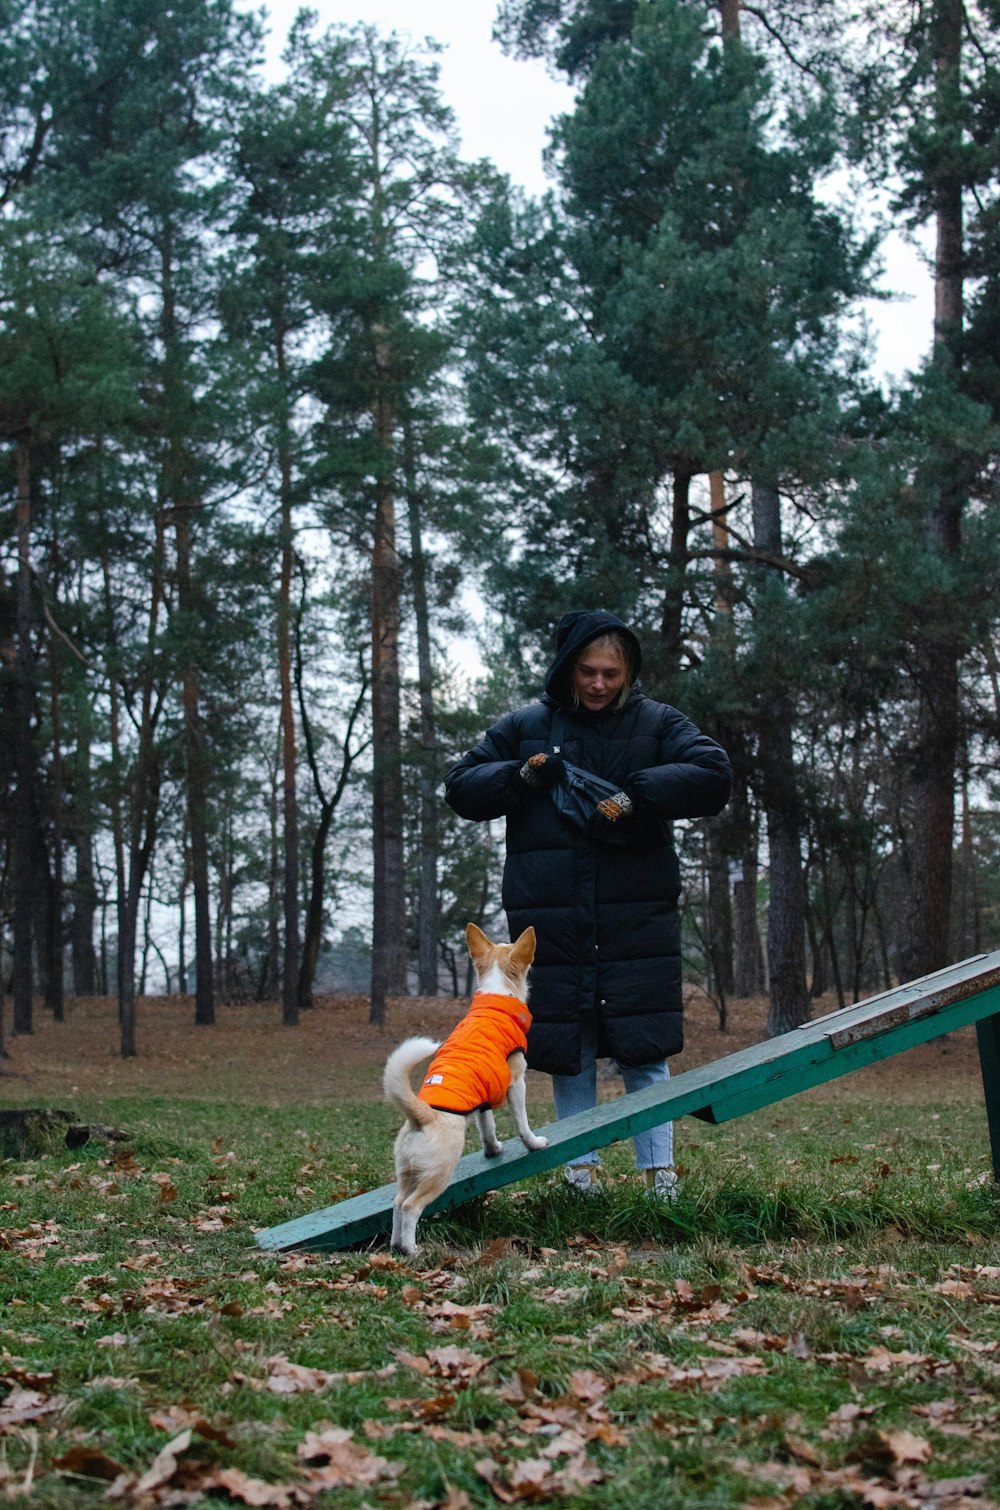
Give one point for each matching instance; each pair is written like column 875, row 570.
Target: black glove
column 542, row 771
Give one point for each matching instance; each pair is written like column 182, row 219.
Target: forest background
column 286, row 384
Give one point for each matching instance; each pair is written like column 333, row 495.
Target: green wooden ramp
column 743, row 1082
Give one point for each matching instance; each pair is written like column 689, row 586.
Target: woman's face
column 598, row 677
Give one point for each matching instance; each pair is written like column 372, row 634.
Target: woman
column 607, row 973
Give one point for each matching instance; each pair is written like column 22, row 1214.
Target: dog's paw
column 535, row 1142
column 491, row 1150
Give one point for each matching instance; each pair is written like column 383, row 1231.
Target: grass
column 817, row 1321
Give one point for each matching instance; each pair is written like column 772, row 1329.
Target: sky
column 503, row 107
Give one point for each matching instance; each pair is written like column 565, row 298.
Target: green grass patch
column 816, row 1318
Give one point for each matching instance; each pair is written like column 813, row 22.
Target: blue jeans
column 654, row 1149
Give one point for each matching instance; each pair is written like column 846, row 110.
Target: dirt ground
column 336, row 1055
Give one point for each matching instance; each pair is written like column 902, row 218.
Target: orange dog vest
column 470, row 1070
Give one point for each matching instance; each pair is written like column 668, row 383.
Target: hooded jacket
column 605, row 915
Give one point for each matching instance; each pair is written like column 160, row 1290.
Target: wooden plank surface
column 917, row 999
column 742, row 1082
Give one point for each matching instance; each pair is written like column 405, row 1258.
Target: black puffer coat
column 606, row 916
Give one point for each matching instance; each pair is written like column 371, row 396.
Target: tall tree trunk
column 312, row 938
column 3, row 993
column 786, row 918
column 672, row 617
column 748, row 956
column 316, row 902
column 178, row 488
column 147, row 919
column 388, row 874
column 290, row 809
column 428, row 904
column 24, row 755
column 182, row 970
column 720, row 832
column 928, row 799
column 968, row 918
column 829, row 921
column 269, row 977
column 720, row 544
column 196, row 773
column 4, row 913
column 143, row 807
column 82, row 952
column 720, row 914
column 54, row 986
column 786, row 909
column 104, row 979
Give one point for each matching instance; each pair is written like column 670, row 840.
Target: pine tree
column 407, row 198
column 706, row 279
column 130, row 162
column 292, row 168
column 935, row 89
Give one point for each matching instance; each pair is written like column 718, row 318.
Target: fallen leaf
column 880, row 1360
column 251, row 1491
column 500, row 1247
column 175, row 1418
column 489, row 1470
column 420, row 1365
column 163, row 1467
column 890, row 1449
column 906, row 1447
column 287, row 1378
column 457, row 1362
column 89, row 1463
column 23, row 1405
column 805, row 1452
column 586, row 1385
column 343, row 1463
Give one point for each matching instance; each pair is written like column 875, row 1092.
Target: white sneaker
column 584, row 1177
column 661, row 1184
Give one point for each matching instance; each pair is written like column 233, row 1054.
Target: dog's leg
column 405, row 1241
column 406, row 1210
column 516, row 1102
column 404, row 1186
column 424, row 1172
column 488, row 1133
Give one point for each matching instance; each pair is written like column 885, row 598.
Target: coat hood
column 574, row 631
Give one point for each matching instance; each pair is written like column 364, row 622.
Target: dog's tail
column 396, row 1079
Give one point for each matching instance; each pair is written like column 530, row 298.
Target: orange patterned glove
column 613, row 808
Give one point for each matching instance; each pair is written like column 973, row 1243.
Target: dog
column 478, row 1067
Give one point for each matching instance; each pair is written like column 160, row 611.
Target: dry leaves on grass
column 329, row 1460
column 454, row 1363
column 26, row 1405
column 287, row 1378
column 335, row 1461
column 883, row 1471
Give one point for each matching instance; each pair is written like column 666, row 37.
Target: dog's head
column 512, row 960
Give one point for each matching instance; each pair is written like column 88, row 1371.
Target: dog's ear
column 524, row 949
column 476, row 940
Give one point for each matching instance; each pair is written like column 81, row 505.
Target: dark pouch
column 576, row 797
column 577, row 794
